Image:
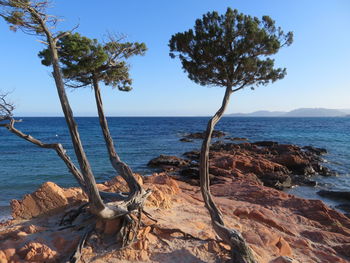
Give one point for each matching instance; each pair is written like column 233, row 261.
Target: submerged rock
column 237, row 139
column 186, row 140
column 345, row 207
column 335, row 194
column 318, row 151
column 265, row 143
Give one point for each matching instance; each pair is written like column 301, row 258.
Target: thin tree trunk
column 84, row 164
column 122, row 168
column 96, row 204
column 241, row 253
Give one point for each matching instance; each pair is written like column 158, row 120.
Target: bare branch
column 240, row 87
column 62, row 153
column 66, row 33
column 6, row 108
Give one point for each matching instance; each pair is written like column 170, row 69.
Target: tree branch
column 62, row 153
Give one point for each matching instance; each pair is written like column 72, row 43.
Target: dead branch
column 6, row 108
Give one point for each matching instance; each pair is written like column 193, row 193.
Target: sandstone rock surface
column 270, row 163
column 279, row 227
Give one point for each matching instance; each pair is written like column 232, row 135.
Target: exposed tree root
column 130, row 226
column 104, row 206
column 169, row 231
column 148, row 215
column 68, row 218
column 75, row 257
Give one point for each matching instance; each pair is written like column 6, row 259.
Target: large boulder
column 295, row 163
column 48, row 198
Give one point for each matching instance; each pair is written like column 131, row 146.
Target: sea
column 24, row 166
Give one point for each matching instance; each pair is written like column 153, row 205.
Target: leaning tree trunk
column 137, row 194
column 97, row 206
column 241, row 253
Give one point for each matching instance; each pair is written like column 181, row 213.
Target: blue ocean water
column 23, row 166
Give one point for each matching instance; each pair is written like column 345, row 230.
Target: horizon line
column 184, row 116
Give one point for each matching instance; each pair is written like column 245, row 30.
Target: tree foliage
column 230, row 50
column 28, row 16
column 233, row 51
column 32, row 18
column 83, row 59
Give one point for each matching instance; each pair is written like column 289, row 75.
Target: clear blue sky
column 318, row 62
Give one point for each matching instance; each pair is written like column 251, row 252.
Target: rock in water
column 335, row 194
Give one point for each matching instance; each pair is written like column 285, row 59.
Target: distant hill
column 317, row 112
column 262, row 113
column 347, row 111
column 302, row 112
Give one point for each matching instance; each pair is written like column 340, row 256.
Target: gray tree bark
column 97, row 206
column 137, row 194
column 241, row 253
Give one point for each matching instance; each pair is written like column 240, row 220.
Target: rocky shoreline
column 279, row 227
column 266, row 162
column 247, row 179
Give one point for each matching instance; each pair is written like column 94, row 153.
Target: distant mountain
column 302, row 112
column 347, row 111
column 317, row 112
column 261, row 113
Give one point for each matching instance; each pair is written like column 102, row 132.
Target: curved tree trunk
column 241, row 253
column 96, row 204
column 84, row 164
column 136, row 194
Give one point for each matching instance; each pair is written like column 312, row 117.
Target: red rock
column 75, row 195
column 31, row 229
column 294, row 162
column 47, row 198
column 163, row 187
column 3, row 258
column 275, row 224
column 238, row 164
column 158, row 198
column 9, row 252
column 118, row 184
column 163, row 179
column 284, row 247
column 143, row 255
column 38, row 252
column 283, row 259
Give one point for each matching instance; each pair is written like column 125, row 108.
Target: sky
column 318, row 62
